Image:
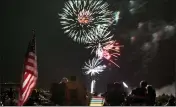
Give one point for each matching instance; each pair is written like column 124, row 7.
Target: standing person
column 62, row 91
column 151, row 96
column 76, row 93
column 58, row 91
column 139, row 94
column 116, row 96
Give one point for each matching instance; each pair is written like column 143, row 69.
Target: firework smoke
column 135, row 6
column 148, row 36
column 169, row 89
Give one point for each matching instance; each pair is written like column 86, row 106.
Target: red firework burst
column 111, row 51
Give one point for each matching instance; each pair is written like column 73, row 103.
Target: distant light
column 125, row 84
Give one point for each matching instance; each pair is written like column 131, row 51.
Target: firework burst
column 93, row 67
column 111, row 51
column 102, row 44
column 98, row 38
column 81, row 16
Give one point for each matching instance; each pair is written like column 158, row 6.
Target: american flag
column 30, row 74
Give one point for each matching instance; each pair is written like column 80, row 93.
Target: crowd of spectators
column 72, row 93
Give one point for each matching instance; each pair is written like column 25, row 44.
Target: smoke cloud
column 169, row 89
column 156, row 32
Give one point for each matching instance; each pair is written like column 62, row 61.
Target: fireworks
column 125, row 85
column 79, row 17
column 102, row 44
column 116, row 17
column 87, row 21
column 111, row 51
column 92, row 86
column 98, row 37
column 93, row 67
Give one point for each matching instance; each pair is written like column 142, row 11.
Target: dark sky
column 59, row 56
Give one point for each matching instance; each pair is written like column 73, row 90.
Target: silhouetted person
column 151, row 95
column 76, row 93
column 140, row 94
column 58, row 91
column 143, row 90
column 62, row 91
column 116, row 95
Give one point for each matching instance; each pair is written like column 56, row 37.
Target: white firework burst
column 98, row 38
column 93, row 67
column 81, row 16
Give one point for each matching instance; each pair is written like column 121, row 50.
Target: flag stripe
column 27, row 77
column 26, row 85
column 30, row 68
column 29, row 91
column 27, row 88
column 31, row 61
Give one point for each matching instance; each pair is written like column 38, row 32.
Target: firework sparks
column 98, row 38
column 111, row 51
column 116, row 16
column 92, row 86
column 84, row 17
column 93, row 67
column 102, row 44
column 81, row 16
column 125, row 85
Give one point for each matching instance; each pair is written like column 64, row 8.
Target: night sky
column 58, row 56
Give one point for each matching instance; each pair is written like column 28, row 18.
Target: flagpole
column 175, row 76
column 1, row 81
column 33, row 31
